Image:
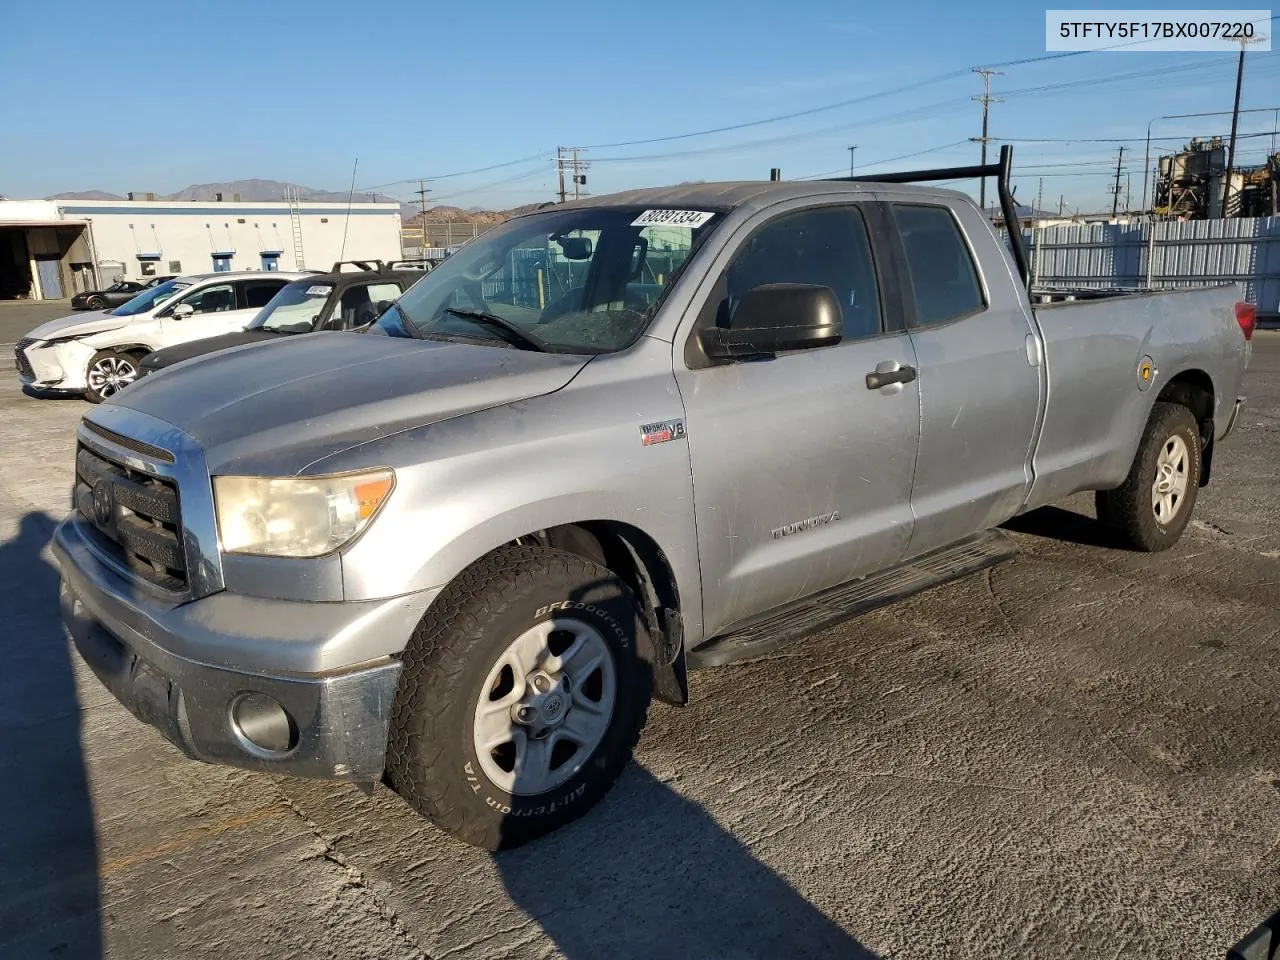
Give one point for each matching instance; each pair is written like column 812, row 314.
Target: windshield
column 295, row 309
column 149, row 299
column 586, row 280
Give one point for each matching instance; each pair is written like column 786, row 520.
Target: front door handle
column 883, row 378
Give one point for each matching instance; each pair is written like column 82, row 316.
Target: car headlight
column 297, row 516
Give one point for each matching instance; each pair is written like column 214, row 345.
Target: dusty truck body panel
column 721, row 481
column 1093, row 353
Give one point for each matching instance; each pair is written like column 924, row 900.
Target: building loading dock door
column 15, row 269
column 50, row 278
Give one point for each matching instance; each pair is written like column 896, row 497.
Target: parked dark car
column 338, row 300
column 122, row 291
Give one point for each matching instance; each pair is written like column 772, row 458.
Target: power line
column 876, row 163
column 459, row 173
column 928, row 81
column 489, row 186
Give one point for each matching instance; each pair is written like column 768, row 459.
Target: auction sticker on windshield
column 318, row 291
column 672, row 218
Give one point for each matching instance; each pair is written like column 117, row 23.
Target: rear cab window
column 944, row 278
column 358, row 304
column 256, row 294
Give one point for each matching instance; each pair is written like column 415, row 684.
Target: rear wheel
column 1153, row 506
column 109, row 373
column 522, row 697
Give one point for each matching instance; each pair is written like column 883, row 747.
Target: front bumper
column 58, row 365
column 339, row 719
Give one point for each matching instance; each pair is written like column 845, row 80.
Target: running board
column 794, row 621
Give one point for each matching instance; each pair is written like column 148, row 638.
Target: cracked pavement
column 1072, row 754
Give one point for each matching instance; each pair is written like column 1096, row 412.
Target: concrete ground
column 20, row 317
column 1075, row 754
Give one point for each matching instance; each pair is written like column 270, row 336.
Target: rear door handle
column 883, row 378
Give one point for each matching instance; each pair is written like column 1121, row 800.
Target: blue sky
column 297, row 91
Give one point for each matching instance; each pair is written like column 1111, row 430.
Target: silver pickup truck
column 606, row 442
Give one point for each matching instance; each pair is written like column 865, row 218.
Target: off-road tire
column 92, row 394
column 431, row 757
column 1127, row 510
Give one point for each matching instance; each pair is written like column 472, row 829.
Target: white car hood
column 78, row 325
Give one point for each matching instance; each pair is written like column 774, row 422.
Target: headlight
column 297, row 516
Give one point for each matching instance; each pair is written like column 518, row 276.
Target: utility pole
column 1062, row 203
column 986, row 100
column 1039, row 199
column 422, row 192
column 1128, row 191
column 1235, row 119
column 851, row 149
column 579, row 174
column 567, row 159
column 1115, row 191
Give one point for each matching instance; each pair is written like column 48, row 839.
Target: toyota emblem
column 103, row 503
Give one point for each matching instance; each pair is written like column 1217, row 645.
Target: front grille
column 137, row 446
column 20, row 358
column 136, row 517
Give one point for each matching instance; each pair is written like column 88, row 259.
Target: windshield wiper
column 523, row 340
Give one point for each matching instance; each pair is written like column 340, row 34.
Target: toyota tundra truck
column 608, row 442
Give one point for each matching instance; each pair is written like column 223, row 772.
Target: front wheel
column 522, row 697
column 1149, row 511
column 109, row 373
column 96, row 303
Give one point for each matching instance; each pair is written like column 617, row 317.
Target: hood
column 275, row 407
column 167, row 357
column 78, row 325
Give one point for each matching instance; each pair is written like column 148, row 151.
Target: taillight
column 1246, row 316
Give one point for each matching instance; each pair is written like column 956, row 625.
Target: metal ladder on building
column 295, row 220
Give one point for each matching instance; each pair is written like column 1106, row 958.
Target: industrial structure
column 1192, row 184
column 53, row 249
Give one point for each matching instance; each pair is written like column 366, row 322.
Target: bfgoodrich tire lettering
column 1169, row 458
column 433, row 760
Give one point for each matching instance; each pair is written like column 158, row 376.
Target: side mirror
column 182, row 311
column 381, row 307
column 775, row 317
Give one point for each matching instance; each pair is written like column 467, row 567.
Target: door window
column 828, row 247
column 216, row 299
column 359, row 304
column 258, row 293
column 942, row 273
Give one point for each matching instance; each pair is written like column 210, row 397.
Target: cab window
column 256, row 294
column 943, row 276
column 216, row 299
column 826, row 246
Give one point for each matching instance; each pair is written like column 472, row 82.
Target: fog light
column 263, row 724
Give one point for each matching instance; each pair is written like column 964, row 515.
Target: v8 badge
column 662, row 432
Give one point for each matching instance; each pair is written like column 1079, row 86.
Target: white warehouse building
column 53, row 249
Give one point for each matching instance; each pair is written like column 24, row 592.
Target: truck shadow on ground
column 648, row 873
column 1057, row 523
column 49, row 895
